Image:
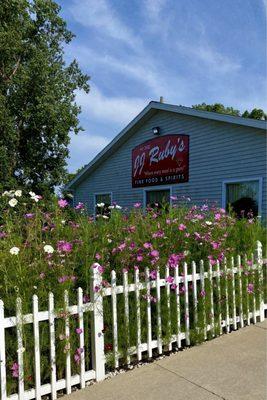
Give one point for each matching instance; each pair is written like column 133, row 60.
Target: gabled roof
column 152, row 108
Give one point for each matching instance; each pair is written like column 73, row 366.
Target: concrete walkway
column 230, row 367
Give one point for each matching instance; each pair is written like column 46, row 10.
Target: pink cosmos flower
column 101, row 269
column 182, row 227
column 15, row 370
column 42, row 275
column 63, row 246
column 153, row 274
column 96, row 289
column 137, row 205
column 217, row 216
column 62, row 203
column 147, row 245
column 29, row 215
column 169, row 279
column 154, row 253
column 78, row 331
column 250, row 288
column 202, row 293
column 173, row 198
column 80, row 206
column 3, row 235
column 139, row 258
column 215, row 245
column 173, row 286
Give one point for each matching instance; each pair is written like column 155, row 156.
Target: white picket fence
column 95, row 306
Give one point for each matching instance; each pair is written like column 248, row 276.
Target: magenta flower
column 29, row 215
column 182, row 227
column 139, row 258
column 63, row 246
column 3, row 235
column 169, row 279
column 154, row 253
column 101, row 269
column 202, row 293
column 80, row 206
column 215, row 245
column 173, row 286
column 250, row 288
column 96, row 289
column 153, row 274
column 62, row 203
column 147, row 245
column 137, row 205
column 78, row 331
column 15, row 370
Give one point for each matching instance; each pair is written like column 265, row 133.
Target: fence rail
column 188, row 312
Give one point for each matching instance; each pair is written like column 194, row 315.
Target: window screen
column 157, row 198
column 243, row 197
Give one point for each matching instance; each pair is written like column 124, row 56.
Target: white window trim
column 240, row 180
column 100, row 193
column 154, row 188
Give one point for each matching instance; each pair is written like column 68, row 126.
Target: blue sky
column 188, row 51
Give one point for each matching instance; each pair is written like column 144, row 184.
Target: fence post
column 259, row 265
column 98, row 356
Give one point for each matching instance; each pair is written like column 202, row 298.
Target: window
column 243, row 196
column 102, row 203
column 157, row 198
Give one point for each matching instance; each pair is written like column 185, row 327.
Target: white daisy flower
column 14, row 251
column 48, row 249
column 13, row 202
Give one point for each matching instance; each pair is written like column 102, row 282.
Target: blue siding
column 218, row 151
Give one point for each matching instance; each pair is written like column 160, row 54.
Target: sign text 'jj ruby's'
column 161, row 161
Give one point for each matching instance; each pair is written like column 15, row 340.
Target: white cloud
column 153, row 8
column 100, row 15
column 211, row 58
column 119, row 109
column 84, row 147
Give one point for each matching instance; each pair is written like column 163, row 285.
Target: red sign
column 160, row 161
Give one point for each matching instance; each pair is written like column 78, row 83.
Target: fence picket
column 2, row 352
column 81, row 337
column 167, row 290
column 138, row 315
column 114, row 318
column 259, row 262
column 227, row 319
column 202, row 288
column 67, row 346
column 159, row 328
column 239, row 271
column 19, row 318
column 233, row 293
column 98, row 355
column 246, row 273
column 126, row 313
column 194, row 282
column 218, row 282
column 51, row 316
column 148, row 311
column 253, row 281
column 186, row 315
column 36, row 348
column 211, row 301
column 178, row 311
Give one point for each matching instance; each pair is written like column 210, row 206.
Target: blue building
column 168, row 151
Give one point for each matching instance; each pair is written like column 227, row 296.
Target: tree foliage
column 256, row 113
column 37, row 94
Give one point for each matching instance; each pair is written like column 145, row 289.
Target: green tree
column 37, row 95
column 220, row 108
